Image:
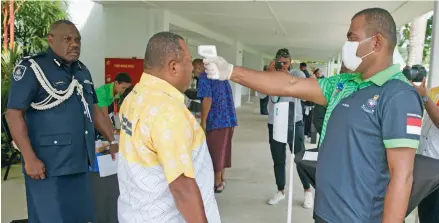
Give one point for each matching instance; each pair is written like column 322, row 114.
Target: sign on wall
column 113, row 66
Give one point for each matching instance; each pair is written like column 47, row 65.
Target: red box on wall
column 113, row 66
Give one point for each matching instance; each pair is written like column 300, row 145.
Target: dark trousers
column 263, row 104
column 66, row 199
column 318, row 124
column 318, row 219
column 105, row 194
column 318, row 118
column 279, row 156
column 428, row 209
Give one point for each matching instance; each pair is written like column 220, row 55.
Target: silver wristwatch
column 114, row 142
column 425, row 99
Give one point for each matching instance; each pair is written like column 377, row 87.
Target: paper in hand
column 107, row 166
column 311, row 156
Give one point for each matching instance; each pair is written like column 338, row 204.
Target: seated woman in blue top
column 218, row 119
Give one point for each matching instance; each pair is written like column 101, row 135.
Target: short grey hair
column 161, row 46
column 55, row 25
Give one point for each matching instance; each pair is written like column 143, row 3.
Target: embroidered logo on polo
column 370, row 104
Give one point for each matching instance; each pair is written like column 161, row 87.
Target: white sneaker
column 276, row 198
column 308, row 203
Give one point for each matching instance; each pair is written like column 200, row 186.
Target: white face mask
column 349, row 54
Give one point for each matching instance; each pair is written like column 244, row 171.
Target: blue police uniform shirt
column 61, row 137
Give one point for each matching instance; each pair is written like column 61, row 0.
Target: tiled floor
column 250, row 182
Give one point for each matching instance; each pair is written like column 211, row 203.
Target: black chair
column 8, row 147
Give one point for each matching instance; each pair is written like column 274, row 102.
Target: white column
column 332, row 66
column 417, row 37
column 237, row 88
column 433, row 77
column 91, row 24
column 147, row 21
column 327, row 69
column 330, row 73
column 339, row 63
column 158, row 21
column 262, row 64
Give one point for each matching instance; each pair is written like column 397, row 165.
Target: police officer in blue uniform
column 52, row 113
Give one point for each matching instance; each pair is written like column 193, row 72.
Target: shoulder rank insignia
column 33, row 56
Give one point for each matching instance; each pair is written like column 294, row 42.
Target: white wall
column 89, row 18
column 252, row 61
column 126, row 31
column 114, row 31
column 120, row 31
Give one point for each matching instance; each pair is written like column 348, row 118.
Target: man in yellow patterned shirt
column 165, row 171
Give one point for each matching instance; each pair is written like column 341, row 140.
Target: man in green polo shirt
column 107, row 93
column 106, row 189
column 371, row 128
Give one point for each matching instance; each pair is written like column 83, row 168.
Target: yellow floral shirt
column 160, row 140
column 434, row 94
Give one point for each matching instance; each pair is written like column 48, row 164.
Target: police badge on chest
column 370, row 104
column 19, row 71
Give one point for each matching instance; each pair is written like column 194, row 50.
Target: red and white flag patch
column 414, row 123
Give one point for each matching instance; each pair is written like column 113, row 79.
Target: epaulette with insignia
column 33, row 56
column 82, row 65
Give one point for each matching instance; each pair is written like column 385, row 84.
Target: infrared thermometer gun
column 209, row 51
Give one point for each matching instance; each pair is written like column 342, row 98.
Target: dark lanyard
column 278, row 99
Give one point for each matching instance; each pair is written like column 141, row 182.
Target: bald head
column 379, row 20
column 167, row 57
column 162, row 47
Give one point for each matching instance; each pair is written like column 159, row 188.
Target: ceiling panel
column 215, row 7
column 228, row 21
column 329, row 12
column 410, row 10
column 310, row 29
column 298, row 53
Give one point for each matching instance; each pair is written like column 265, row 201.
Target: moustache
column 74, row 50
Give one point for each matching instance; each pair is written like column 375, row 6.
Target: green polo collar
column 111, row 91
column 381, row 77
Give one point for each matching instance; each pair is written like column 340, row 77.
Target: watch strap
column 114, row 142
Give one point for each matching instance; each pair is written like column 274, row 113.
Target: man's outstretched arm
column 279, row 83
column 270, row 83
